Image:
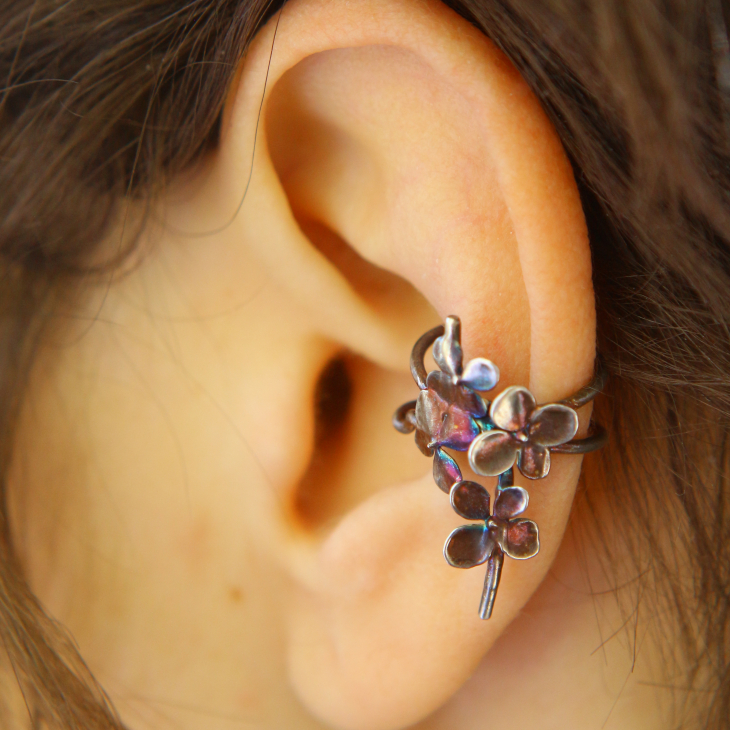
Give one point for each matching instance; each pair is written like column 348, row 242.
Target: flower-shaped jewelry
column 500, row 532
column 450, row 414
column 472, row 545
column 523, row 432
column 446, row 414
column 448, row 408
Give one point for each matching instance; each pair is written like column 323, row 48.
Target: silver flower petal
column 553, row 425
column 428, row 410
column 510, row 502
column 534, row 461
column 512, row 408
column 446, row 424
column 521, row 539
column 468, row 546
column 492, row 453
column 480, row 374
column 458, row 395
column 422, row 441
column 446, row 471
column 447, row 348
column 470, row 500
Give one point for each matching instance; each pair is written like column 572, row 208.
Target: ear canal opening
column 332, row 400
column 356, row 452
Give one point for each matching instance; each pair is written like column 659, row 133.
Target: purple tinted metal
column 446, row 471
column 450, row 413
column 471, row 501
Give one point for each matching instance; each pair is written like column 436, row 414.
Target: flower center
column 497, row 527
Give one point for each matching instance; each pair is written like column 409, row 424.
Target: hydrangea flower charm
column 472, row 545
column 502, row 533
column 446, row 414
column 450, row 413
column 523, row 433
column 448, row 408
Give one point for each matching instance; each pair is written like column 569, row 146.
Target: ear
column 403, row 171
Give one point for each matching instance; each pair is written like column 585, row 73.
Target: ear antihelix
column 450, row 413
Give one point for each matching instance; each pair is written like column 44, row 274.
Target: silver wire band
column 597, row 438
column 418, row 353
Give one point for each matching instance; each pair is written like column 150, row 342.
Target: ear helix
column 512, row 430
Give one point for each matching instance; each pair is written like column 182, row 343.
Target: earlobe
column 403, row 167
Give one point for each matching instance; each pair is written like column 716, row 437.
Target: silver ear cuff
column 512, row 430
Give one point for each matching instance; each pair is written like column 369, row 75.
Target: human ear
column 403, row 172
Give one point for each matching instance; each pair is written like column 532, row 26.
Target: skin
column 166, row 453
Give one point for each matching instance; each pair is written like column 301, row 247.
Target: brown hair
column 107, row 99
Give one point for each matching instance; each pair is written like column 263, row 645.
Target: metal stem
column 506, row 479
column 491, row 583
column 418, row 369
column 404, row 419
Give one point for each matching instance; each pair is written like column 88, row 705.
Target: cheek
column 143, row 449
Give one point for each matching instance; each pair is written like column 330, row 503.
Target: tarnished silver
column 512, row 430
column 522, row 432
